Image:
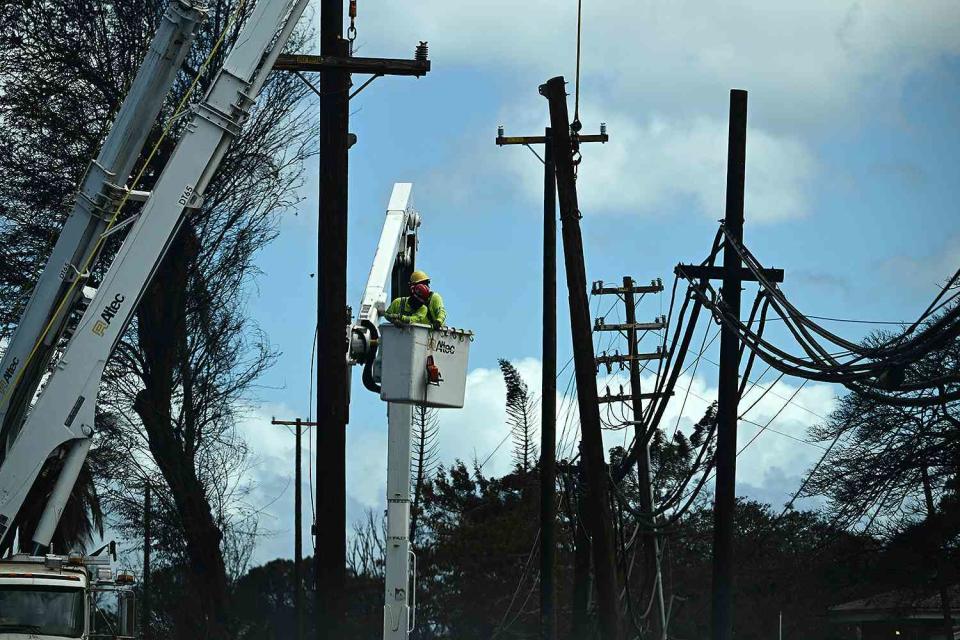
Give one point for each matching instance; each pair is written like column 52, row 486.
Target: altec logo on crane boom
column 8, row 375
column 109, row 313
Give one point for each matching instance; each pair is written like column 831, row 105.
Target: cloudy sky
column 852, row 186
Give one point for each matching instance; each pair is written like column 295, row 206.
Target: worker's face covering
column 420, row 291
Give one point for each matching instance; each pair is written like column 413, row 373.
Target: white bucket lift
column 407, row 365
column 424, row 366
column 420, row 366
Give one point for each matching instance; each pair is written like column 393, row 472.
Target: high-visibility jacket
column 406, row 310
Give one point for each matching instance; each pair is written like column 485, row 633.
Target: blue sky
column 852, row 186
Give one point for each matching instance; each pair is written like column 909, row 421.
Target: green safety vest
column 402, row 311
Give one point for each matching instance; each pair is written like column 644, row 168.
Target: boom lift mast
column 64, row 412
column 395, row 257
column 410, row 352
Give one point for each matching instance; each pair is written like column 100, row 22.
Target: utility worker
column 422, row 306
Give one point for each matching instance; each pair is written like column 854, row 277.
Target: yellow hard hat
column 418, row 276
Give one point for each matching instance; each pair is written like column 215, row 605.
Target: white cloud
column 814, row 56
column 647, row 165
column 770, row 469
column 659, row 74
column 478, row 431
column 926, row 274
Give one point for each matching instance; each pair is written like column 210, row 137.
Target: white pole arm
column 401, row 220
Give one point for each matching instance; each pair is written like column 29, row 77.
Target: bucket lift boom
column 63, row 415
column 407, row 352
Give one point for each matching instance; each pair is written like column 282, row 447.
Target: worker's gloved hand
column 436, row 325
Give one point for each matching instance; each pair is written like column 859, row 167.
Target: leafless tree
column 368, row 546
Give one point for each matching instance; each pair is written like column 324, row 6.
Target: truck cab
column 54, row 597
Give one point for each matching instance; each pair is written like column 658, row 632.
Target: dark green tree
column 521, row 416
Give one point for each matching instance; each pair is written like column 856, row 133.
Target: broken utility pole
column 297, row 520
column 598, row 512
column 335, row 64
column 548, row 388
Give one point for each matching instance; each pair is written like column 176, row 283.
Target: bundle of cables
column 884, row 369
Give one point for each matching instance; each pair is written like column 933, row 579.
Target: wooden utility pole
column 297, row 520
column 598, row 512
column 729, row 381
column 548, row 385
column 335, row 64
column 632, row 361
column 733, row 275
column 332, row 316
column 651, row 544
column 145, row 630
column 548, row 401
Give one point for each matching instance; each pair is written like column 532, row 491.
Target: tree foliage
column 521, row 416
column 873, row 473
column 187, row 362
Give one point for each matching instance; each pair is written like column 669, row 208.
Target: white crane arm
column 401, row 221
column 27, row 357
column 65, row 410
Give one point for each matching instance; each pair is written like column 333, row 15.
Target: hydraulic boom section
column 395, row 256
column 59, row 293
column 64, row 412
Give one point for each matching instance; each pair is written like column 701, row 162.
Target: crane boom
column 64, row 412
column 55, row 295
column 396, row 251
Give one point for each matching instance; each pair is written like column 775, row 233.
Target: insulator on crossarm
column 420, row 55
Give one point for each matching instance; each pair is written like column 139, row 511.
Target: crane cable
column 181, row 108
column 576, row 125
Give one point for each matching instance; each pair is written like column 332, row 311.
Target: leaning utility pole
column 548, row 383
column 632, row 359
column 297, row 520
column 600, row 522
column 335, row 64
